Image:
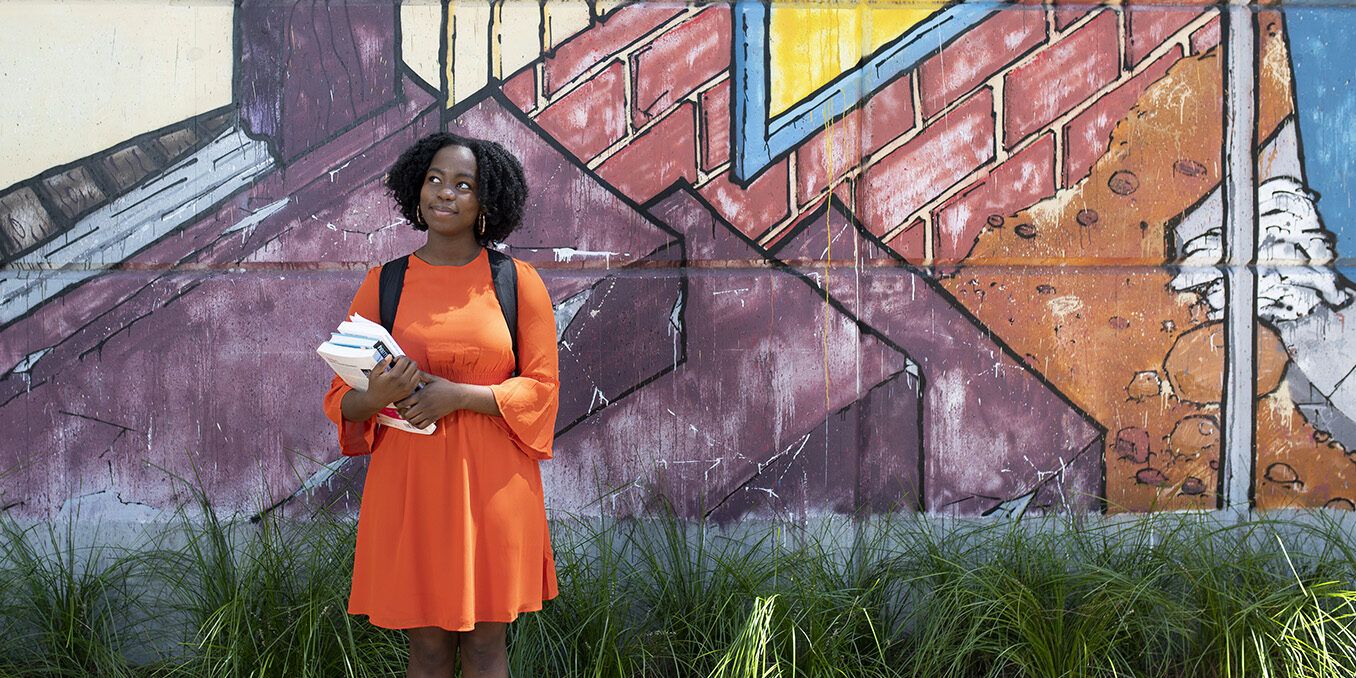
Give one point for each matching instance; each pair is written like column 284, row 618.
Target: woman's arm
column 440, row 397
column 528, row 402
column 347, row 408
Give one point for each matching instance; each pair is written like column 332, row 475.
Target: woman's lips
column 445, row 211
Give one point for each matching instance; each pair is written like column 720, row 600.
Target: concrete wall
column 992, row 264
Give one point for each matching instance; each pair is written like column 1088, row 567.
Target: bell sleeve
column 528, row 402
column 356, row 438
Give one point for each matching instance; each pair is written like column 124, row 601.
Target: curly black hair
column 501, row 185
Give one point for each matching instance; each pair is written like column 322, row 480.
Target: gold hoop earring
column 482, row 225
column 418, row 215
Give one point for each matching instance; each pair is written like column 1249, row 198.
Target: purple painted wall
column 760, row 348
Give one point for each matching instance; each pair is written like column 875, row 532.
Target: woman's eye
column 463, row 186
column 433, row 180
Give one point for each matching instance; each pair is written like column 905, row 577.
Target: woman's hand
column 393, row 382
column 437, row 399
column 388, row 382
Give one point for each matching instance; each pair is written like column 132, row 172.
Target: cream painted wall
column 421, row 25
column 79, row 77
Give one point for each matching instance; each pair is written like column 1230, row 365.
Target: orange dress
column 452, row 527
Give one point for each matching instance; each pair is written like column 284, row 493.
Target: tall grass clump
column 268, row 597
column 65, row 607
column 1159, row 596
column 1175, row 595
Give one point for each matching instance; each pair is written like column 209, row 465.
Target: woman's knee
column 484, row 645
column 432, row 647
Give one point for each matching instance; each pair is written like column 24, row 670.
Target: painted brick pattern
column 592, row 117
column 175, row 143
column 1020, row 181
column 1205, row 37
column 812, row 216
column 1067, row 12
column 977, row 54
column 942, row 154
column 753, row 209
column 944, row 179
column 1088, row 135
column 521, row 89
column 880, row 120
column 715, row 127
column 662, row 155
column 678, row 62
column 1059, row 77
column 593, row 46
column 911, row 242
column 1147, row 26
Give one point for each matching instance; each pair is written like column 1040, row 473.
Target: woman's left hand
column 437, row 399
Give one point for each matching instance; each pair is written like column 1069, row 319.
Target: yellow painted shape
column 811, row 44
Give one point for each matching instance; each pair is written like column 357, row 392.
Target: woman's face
column 448, row 198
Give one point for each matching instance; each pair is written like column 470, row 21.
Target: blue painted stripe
column 757, row 140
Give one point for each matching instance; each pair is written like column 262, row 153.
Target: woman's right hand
column 395, row 380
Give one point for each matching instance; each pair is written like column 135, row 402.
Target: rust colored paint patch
column 1297, row 465
column 1195, row 364
column 1101, row 322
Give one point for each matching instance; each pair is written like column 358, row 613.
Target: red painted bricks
column 1018, row 183
column 716, row 126
column 1147, row 26
column 1088, row 135
column 977, row 54
column 835, row 151
column 948, row 150
column 679, row 61
column 595, row 44
column 1060, row 77
column 1206, row 36
column 657, row 158
column 521, row 89
column 884, row 117
column 910, row 242
column 1069, row 11
column 592, row 117
column 755, row 209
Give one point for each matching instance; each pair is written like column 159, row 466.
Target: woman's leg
column 433, row 652
column 483, row 651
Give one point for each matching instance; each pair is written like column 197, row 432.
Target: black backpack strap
column 389, row 287
column 505, row 276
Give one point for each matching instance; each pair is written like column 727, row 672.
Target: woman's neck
column 443, row 251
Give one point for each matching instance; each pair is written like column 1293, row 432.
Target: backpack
column 502, row 272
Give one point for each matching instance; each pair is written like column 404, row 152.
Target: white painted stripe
column 134, row 220
column 1240, row 247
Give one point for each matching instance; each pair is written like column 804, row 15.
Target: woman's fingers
column 418, row 419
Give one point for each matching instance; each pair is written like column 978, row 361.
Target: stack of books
column 354, row 350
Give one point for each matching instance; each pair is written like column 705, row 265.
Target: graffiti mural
column 969, row 259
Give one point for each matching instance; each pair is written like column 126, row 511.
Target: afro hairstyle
column 502, row 187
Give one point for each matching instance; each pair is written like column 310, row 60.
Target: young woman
column 452, row 537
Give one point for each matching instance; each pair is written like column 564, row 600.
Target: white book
column 359, row 326
column 354, row 351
